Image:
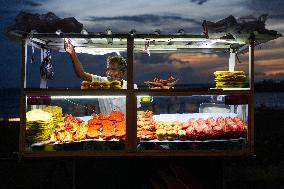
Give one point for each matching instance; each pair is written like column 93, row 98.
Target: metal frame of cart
column 136, row 43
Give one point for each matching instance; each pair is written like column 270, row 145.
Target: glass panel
column 176, row 64
column 211, row 122
column 68, row 123
column 91, row 53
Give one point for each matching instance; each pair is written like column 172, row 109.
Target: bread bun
column 106, row 87
column 84, row 87
column 95, row 83
column 116, row 86
column 116, row 82
column 85, row 83
column 95, row 87
column 105, row 83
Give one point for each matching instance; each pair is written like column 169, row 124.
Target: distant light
column 17, row 119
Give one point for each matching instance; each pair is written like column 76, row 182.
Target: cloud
column 277, row 16
column 32, row 3
column 279, row 76
column 274, row 72
column 143, row 18
column 272, row 7
column 269, row 53
column 210, row 10
column 161, row 66
column 143, row 23
column 257, row 74
column 147, row 16
column 199, row 2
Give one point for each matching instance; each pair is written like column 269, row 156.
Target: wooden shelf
column 79, row 92
column 175, row 92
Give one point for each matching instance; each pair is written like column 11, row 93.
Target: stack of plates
column 38, row 126
column 56, row 112
column 229, row 79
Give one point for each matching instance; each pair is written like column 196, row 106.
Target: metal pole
column 131, row 105
column 232, row 60
column 251, row 94
column 23, row 97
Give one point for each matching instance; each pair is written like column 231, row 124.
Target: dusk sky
column 145, row 16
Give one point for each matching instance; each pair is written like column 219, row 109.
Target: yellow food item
column 85, row 87
column 161, row 134
column 116, row 86
column 95, row 83
column 116, row 82
column 229, row 79
column 105, row 83
column 106, row 87
column 182, row 134
column 85, row 83
column 95, row 87
column 39, row 125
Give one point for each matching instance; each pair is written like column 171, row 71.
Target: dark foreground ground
column 264, row 170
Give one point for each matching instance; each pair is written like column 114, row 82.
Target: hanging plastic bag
column 46, row 68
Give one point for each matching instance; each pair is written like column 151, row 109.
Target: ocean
column 10, row 101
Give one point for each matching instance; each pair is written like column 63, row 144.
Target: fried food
column 95, row 83
column 116, row 116
column 161, row 134
column 105, row 87
column 93, row 132
column 107, row 134
column 120, row 134
column 229, row 79
column 101, row 85
column 182, row 134
column 158, row 83
column 95, row 87
column 115, row 82
column 115, row 86
column 85, row 83
column 120, row 126
column 103, row 116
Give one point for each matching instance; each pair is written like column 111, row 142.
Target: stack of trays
column 56, row 112
column 229, row 79
column 38, row 126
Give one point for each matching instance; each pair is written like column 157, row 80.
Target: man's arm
column 78, row 68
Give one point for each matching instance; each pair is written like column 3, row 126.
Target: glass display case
column 64, row 123
column 197, row 122
column 160, row 118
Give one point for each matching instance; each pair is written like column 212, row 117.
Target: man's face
column 113, row 72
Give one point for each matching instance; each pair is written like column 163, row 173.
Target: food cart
column 223, row 125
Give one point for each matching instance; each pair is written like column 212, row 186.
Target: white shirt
column 108, row 104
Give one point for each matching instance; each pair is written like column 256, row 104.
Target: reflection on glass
column 182, row 122
column 61, row 123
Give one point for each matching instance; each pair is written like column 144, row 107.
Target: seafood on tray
column 100, row 126
column 192, row 129
column 72, row 129
column 158, row 83
column 145, row 125
column 107, row 126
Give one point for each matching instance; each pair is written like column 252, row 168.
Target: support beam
column 232, row 60
column 23, row 97
column 131, row 101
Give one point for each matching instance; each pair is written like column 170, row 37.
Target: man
column 115, row 70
